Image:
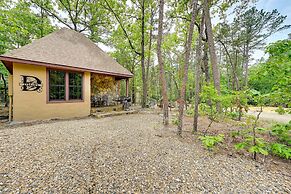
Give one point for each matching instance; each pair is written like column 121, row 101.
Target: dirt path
column 129, row 153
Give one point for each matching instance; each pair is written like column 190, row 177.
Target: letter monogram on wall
column 30, row 83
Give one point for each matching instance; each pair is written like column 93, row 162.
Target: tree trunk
column 213, row 57
column 237, row 87
column 144, row 80
column 186, row 65
column 197, row 74
column 205, row 63
column 133, row 85
column 205, row 68
column 246, row 65
column 161, row 65
column 233, row 66
column 41, row 20
column 150, row 48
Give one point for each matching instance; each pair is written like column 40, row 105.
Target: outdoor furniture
column 125, row 101
column 105, row 101
column 96, row 101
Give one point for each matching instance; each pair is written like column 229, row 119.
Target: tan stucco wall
column 32, row 105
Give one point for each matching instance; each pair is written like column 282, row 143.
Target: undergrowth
column 210, row 142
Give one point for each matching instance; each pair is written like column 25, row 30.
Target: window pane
column 75, row 86
column 57, row 85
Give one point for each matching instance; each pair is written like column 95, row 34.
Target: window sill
column 64, row 101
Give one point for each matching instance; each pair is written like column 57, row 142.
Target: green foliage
column 277, row 67
column 282, row 132
column 280, row 110
column 250, row 141
column 233, row 115
column 209, row 141
column 204, row 109
column 237, row 101
column 209, row 93
column 190, row 111
column 210, row 97
column 281, row 150
column 260, row 146
column 175, row 121
column 240, row 102
column 21, row 25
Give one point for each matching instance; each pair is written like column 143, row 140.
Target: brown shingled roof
column 68, row 48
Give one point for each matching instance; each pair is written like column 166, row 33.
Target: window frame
column 48, row 88
column 67, row 100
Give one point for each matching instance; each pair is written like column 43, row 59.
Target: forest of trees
column 199, row 51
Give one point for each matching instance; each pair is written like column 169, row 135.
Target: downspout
column 127, row 87
column 10, row 94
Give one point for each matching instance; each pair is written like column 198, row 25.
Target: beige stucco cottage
column 50, row 78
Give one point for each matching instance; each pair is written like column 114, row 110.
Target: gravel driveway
column 129, row 153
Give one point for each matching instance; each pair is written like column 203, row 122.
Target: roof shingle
column 66, row 47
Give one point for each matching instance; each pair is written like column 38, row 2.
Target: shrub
column 233, row 115
column 280, row 110
column 204, row 109
column 209, row 141
column 190, row 112
column 282, row 132
column 281, row 150
column 259, row 147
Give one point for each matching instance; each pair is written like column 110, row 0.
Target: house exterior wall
column 33, row 105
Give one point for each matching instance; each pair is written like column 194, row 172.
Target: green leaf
column 240, row 146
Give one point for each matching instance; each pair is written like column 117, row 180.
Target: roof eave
column 60, row 66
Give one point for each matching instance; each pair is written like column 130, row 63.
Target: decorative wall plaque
column 30, row 83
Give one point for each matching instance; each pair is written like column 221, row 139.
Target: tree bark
column 236, row 80
column 205, row 63
column 186, row 65
column 144, row 81
column 150, row 48
column 233, row 66
column 133, row 85
column 197, row 75
column 246, row 65
column 213, row 57
column 41, row 20
column 161, row 65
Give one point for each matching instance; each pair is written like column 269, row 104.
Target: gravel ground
column 129, row 153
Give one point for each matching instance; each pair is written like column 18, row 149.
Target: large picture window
column 65, row 86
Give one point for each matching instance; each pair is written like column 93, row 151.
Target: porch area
column 109, row 94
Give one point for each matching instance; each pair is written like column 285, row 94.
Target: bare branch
column 122, row 27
